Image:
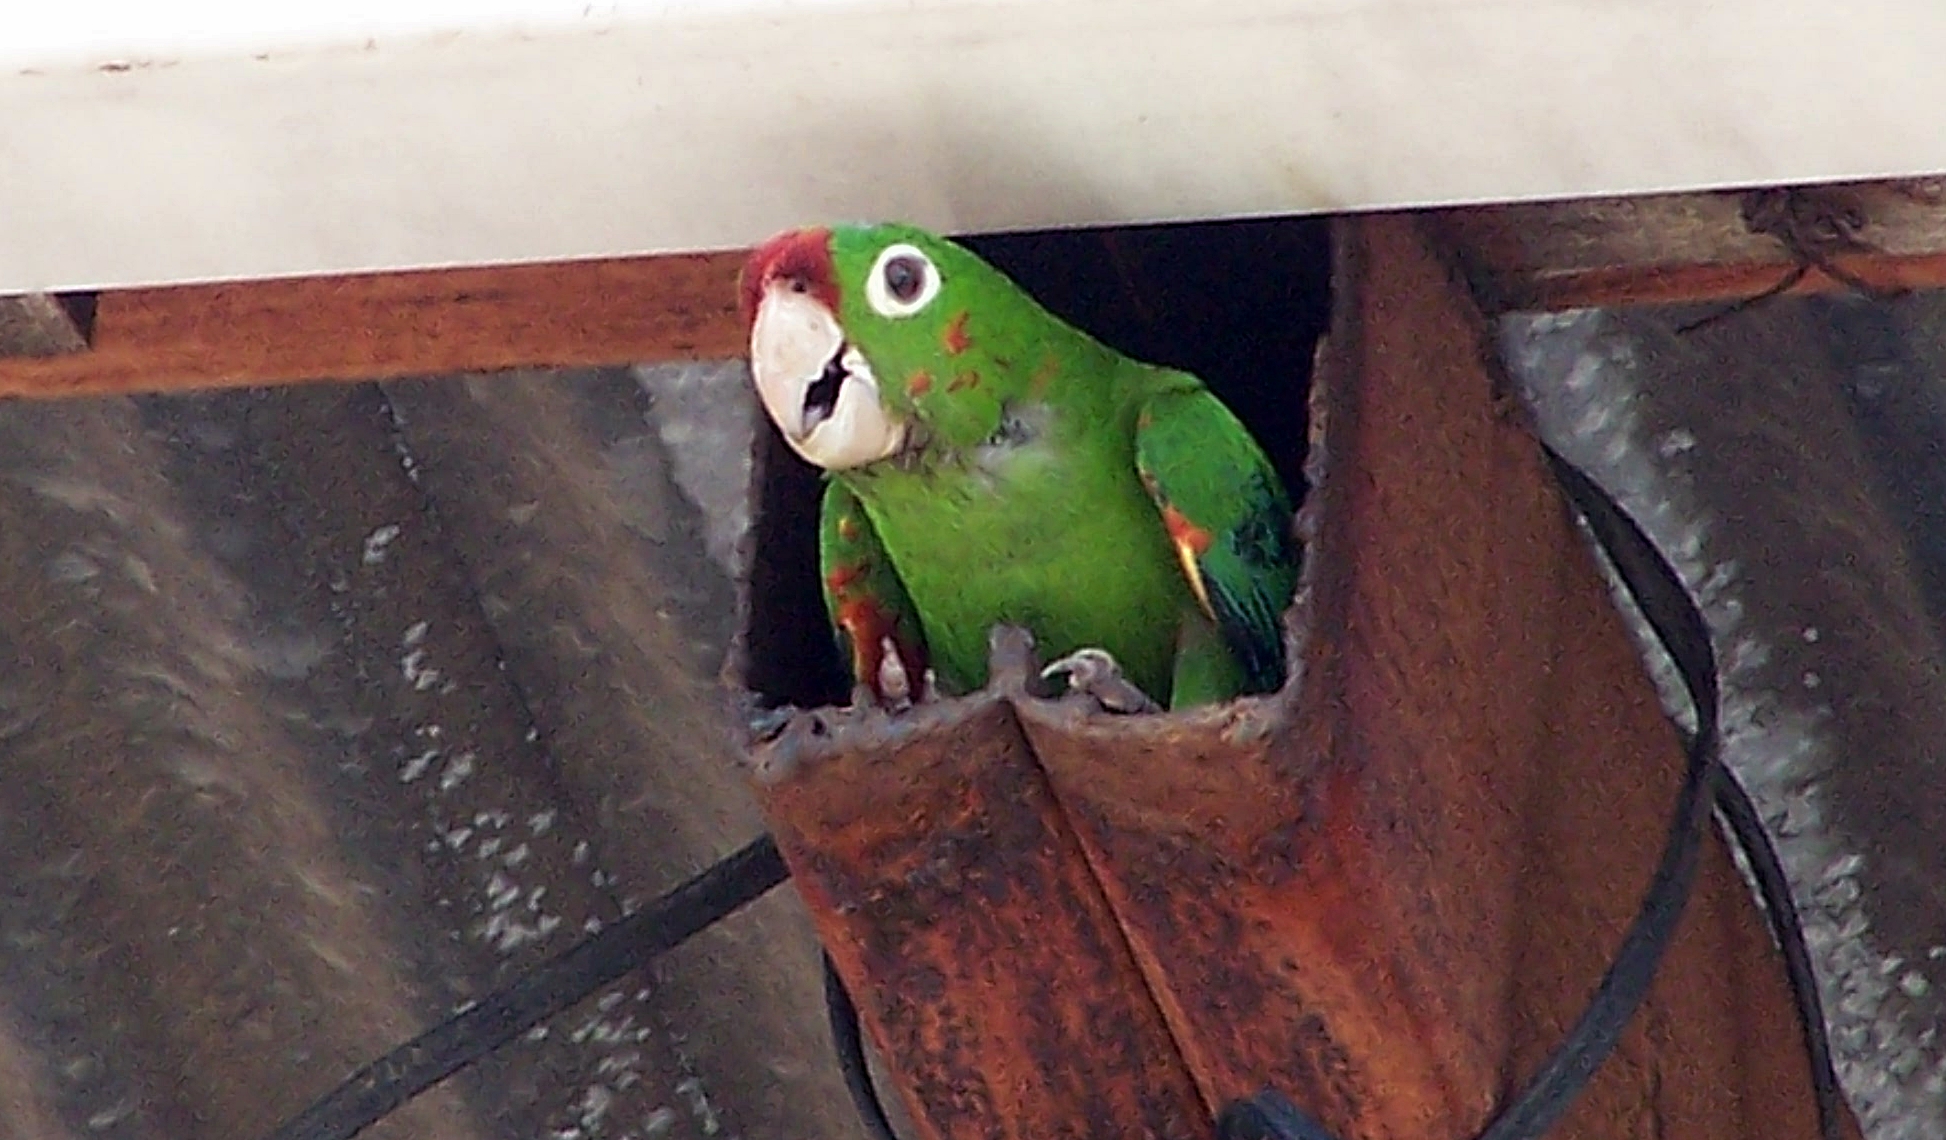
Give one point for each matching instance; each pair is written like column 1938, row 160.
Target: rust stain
column 923, row 856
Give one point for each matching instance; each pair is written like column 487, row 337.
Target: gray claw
column 1093, row 672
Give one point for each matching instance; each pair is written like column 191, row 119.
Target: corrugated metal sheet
column 328, row 709
column 1791, row 458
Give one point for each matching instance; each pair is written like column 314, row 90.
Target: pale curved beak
column 818, row 390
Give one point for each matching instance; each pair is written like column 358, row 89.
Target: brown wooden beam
column 377, row 326
column 1726, row 246
column 1889, row 236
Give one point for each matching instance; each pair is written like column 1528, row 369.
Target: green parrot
column 986, row 463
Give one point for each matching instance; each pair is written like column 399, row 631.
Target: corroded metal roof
column 328, row 709
column 1788, row 457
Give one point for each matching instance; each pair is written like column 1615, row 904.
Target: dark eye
column 902, row 282
column 904, row 278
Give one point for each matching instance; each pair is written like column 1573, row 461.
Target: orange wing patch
column 1191, row 542
column 918, row 384
column 963, row 381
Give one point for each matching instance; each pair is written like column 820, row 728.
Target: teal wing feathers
column 1228, row 518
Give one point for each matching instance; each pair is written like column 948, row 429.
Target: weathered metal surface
column 199, row 931
column 1386, row 890
column 290, row 774
column 587, row 535
column 38, row 325
column 1725, row 245
column 1789, row 458
column 959, row 909
column 225, row 893
column 1157, row 292
column 1391, row 889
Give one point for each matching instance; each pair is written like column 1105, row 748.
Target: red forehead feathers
column 801, row 256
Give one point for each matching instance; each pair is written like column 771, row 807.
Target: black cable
column 848, row 1040
column 1668, row 608
column 1670, row 612
column 1551, row 1090
column 1684, row 635
column 741, row 878
column 1733, row 804
column 1268, row 1116
column 385, row 1084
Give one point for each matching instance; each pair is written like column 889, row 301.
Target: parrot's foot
column 1094, row 673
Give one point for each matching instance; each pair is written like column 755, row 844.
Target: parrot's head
column 863, row 340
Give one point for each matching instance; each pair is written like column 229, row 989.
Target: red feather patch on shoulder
column 802, row 257
column 1185, row 534
column 1191, row 543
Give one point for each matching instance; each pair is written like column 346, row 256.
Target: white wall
column 221, row 140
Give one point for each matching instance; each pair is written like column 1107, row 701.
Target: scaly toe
column 1094, row 673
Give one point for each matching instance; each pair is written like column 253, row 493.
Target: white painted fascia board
column 227, row 140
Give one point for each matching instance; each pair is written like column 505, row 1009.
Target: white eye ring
column 878, row 289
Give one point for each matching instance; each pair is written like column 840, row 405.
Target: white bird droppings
column 418, row 766
column 456, row 772
column 378, row 540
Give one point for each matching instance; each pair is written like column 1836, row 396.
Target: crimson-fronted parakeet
column 988, row 463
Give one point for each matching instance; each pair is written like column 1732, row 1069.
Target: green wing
column 1229, row 520
column 866, row 600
